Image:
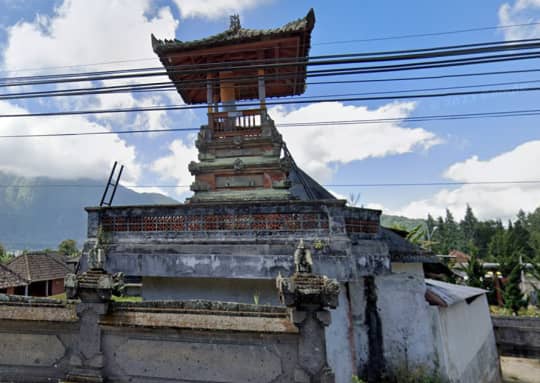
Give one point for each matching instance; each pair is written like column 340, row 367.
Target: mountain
column 40, row 212
column 399, row 221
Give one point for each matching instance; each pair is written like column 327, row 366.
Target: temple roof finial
column 235, row 23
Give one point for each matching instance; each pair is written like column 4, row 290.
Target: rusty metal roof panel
column 447, row 294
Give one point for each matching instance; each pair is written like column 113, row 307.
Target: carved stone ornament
column 304, row 289
column 96, row 257
column 303, row 261
column 238, row 165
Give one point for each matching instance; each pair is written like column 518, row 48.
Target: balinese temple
column 253, row 209
column 240, row 149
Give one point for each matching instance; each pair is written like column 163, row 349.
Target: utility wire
column 430, row 34
column 166, row 87
column 312, row 73
column 343, row 59
column 170, row 85
column 397, row 37
column 282, row 102
column 371, row 56
column 443, row 117
column 393, row 184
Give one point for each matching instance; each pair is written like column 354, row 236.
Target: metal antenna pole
column 115, row 185
column 108, row 184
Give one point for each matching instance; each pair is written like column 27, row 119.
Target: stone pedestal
column 94, row 288
column 87, row 362
column 309, row 296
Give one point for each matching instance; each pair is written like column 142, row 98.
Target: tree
column 452, row 238
column 473, row 269
column 513, row 297
column 498, row 246
column 5, row 257
column 533, row 226
column 468, row 227
column 437, row 237
column 485, row 230
column 68, row 247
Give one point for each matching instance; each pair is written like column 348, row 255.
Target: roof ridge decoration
column 234, row 32
column 27, row 266
column 235, row 25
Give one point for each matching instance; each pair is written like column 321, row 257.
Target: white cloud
column 319, row 149
column 174, row 166
column 84, row 32
column 65, row 157
column 488, row 201
column 213, row 9
column 520, row 12
column 77, row 33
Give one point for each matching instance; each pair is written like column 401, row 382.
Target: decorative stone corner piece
column 94, row 285
column 309, row 296
column 305, row 290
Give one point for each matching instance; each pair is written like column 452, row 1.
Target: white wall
column 466, row 343
column 408, row 338
column 338, row 340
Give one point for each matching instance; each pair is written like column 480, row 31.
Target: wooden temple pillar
column 227, row 91
column 210, row 92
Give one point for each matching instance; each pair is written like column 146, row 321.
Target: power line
column 283, row 102
column 170, row 87
column 400, row 37
column 342, row 59
column 391, row 184
column 443, row 117
column 396, row 37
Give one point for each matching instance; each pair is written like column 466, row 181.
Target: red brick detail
column 361, row 226
column 241, row 222
column 57, row 287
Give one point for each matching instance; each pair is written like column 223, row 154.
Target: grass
column 531, row 311
column 114, row 298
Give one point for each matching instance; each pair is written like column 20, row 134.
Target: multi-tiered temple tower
column 252, row 207
column 240, row 148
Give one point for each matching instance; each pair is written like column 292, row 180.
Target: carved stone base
column 84, row 376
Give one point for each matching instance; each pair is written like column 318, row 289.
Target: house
column 11, row 282
column 43, row 272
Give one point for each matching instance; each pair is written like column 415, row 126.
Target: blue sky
column 62, row 36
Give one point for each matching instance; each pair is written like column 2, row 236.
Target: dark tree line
column 490, row 240
column 511, row 246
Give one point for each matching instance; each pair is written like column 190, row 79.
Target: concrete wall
column 36, row 339
column 43, row 340
column 517, row 336
column 466, row 343
column 221, row 289
column 405, row 316
column 141, row 355
column 339, row 340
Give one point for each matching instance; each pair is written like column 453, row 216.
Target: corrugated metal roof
column 447, row 294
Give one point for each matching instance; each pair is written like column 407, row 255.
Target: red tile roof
column 9, row 278
column 39, row 266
